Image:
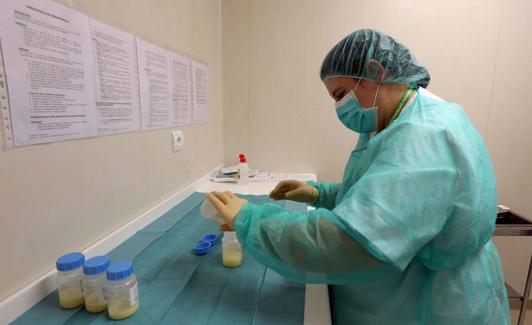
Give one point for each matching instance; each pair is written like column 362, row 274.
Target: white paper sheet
column 154, row 80
column 48, row 63
column 181, row 90
column 200, row 85
column 117, row 89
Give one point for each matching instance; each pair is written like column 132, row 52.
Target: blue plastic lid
column 69, row 262
column 119, row 270
column 210, row 238
column 202, row 248
column 96, row 265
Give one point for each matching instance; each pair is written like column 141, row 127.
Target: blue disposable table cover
column 178, row 287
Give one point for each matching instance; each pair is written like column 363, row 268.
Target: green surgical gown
column 405, row 238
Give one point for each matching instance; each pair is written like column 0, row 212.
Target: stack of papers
column 256, row 175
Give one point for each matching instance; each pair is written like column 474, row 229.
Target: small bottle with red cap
column 242, row 177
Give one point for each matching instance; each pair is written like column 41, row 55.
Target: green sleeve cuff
column 242, row 221
column 319, row 202
column 326, row 194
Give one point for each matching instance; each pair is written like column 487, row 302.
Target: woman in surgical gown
column 405, row 237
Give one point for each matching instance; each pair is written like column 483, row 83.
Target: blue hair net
column 361, row 53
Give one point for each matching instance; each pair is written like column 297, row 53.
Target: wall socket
column 178, row 140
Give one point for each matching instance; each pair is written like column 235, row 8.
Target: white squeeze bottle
column 242, row 177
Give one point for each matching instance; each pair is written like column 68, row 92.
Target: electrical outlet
column 178, row 140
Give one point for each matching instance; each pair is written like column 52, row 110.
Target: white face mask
column 354, row 116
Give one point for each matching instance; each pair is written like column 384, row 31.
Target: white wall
column 65, row 196
column 478, row 52
column 509, row 134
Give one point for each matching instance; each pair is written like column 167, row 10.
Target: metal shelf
column 510, row 223
column 513, row 295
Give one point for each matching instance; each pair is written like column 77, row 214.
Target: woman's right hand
column 295, row 191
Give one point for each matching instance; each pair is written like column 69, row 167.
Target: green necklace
column 401, row 105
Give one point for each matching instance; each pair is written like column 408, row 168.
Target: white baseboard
column 16, row 304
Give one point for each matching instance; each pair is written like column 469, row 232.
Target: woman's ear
column 375, row 70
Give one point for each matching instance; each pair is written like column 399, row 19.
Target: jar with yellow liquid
column 69, row 275
column 232, row 254
column 122, row 290
column 94, row 281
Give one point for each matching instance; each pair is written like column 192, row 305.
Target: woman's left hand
column 227, row 204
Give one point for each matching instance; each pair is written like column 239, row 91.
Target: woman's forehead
column 338, row 82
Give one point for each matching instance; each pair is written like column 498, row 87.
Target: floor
column 528, row 318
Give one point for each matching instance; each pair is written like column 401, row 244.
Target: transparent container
column 94, row 282
column 69, row 275
column 209, row 212
column 122, row 290
column 232, row 254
